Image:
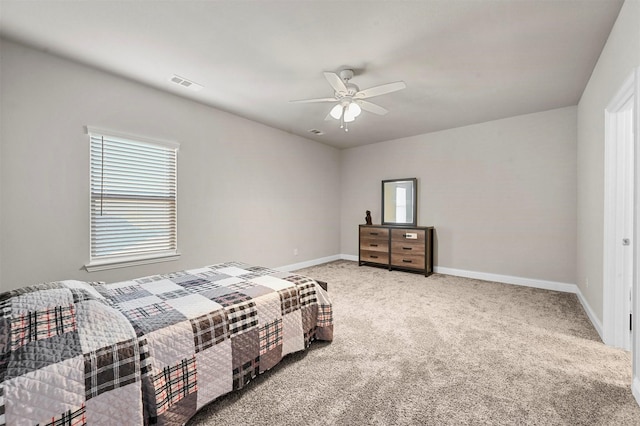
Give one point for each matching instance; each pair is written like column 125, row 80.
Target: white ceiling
column 464, row 61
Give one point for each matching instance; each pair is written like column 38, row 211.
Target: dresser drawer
column 374, row 257
column 373, row 232
column 379, row 245
column 415, row 261
column 400, row 235
column 407, row 247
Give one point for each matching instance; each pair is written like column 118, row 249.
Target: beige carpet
column 441, row 350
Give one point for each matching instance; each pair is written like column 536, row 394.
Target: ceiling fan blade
column 371, row 107
column 380, row 90
column 336, row 82
column 305, row 101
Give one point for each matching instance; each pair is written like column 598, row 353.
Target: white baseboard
column 308, row 263
column 592, row 316
column 635, row 389
column 351, row 257
column 508, row 279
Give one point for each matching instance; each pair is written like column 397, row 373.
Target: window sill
column 102, row 265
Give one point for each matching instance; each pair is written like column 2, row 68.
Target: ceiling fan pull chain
column 344, row 123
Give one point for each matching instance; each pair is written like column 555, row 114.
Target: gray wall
column 620, row 56
column 502, row 194
column 246, row 191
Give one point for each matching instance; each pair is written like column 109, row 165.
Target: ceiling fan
column 350, row 99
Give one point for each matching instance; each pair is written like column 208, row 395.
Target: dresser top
column 396, row 227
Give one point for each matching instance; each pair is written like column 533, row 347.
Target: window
column 401, row 205
column 133, row 187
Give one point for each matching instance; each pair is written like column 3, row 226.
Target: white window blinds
column 133, row 198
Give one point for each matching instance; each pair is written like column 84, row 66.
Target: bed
column 153, row 350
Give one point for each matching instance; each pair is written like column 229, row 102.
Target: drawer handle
column 407, row 261
column 373, row 245
column 373, row 257
column 407, row 248
column 373, row 233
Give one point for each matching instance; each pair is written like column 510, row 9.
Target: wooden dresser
column 397, row 247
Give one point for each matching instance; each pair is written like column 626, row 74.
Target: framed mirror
column 399, row 202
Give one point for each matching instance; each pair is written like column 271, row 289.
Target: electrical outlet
column 586, row 282
column 295, row 251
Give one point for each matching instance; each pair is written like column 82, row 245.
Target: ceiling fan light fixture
column 336, row 111
column 353, row 109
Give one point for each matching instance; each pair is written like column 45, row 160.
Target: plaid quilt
column 208, row 331
column 152, row 350
column 67, row 358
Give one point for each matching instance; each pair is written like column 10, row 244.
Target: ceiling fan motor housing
column 352, row 89
column 346, row 75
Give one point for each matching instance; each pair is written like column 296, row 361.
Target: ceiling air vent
column 181, row 81
column 316, row 132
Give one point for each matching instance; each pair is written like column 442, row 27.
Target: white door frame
column 635, row 297
column 619, row 176
column 615, row 302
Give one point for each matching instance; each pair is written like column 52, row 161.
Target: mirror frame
column 414, row 182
